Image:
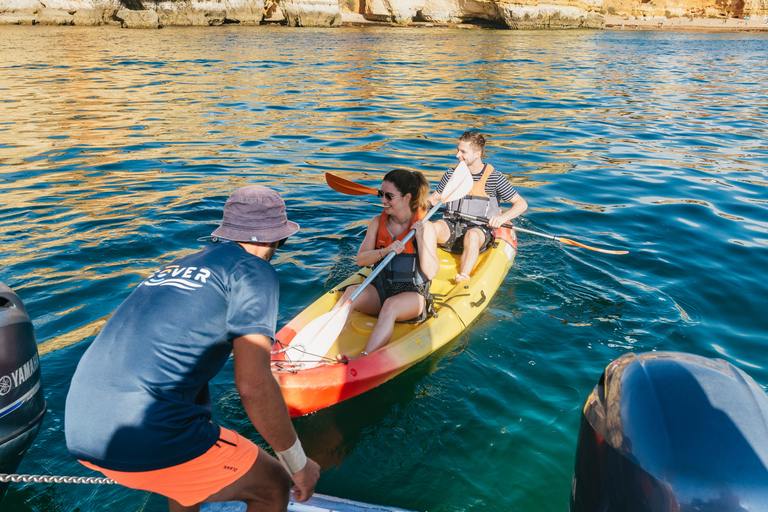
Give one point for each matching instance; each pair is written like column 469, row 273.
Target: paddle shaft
column 392, row 254
column 506, row 225
column 350, row 187
column 560, row 239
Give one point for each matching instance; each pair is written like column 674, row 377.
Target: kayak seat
column 428, row 312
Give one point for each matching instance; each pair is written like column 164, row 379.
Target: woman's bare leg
column 398, row 308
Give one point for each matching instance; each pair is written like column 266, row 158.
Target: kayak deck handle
column 479, row 302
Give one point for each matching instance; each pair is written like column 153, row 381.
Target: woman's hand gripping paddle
column 315, row 340
column 355, row 189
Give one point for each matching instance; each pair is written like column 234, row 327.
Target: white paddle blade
column 311, row 343
column 459, row 185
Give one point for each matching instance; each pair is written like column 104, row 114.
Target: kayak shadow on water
column 330, row 435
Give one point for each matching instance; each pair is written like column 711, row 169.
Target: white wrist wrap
column 293, row 459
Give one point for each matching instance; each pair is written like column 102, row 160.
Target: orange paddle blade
column 348, row 187
column 578, row 244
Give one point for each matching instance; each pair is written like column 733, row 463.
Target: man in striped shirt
column 469, row 237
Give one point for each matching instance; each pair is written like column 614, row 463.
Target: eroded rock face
column 549, row 16
column 131, row 13
column 209, row 12
column 46, row 16
column 515, row 14
column 311, row 13
column 303, row 13
column 519, row 14
column 699, row 8
column 456, row 11
column 88, row 17
column 397, row 11
column 756, row 6
column 31, row 12
column 138, row 19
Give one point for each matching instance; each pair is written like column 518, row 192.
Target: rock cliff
column 131, row 13
column 515, row 14
column 697, row 8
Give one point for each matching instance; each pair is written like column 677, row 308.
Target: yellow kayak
column 308, row 388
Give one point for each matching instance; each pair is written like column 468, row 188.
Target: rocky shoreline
column 556, row 14
column 488, row 14
column 611, row 23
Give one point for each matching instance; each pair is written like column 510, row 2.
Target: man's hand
column 262, row 400
column 496, row 221
column 305, row 481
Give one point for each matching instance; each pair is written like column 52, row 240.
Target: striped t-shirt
column 496, row 186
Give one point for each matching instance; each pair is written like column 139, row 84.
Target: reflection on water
column 118, row 149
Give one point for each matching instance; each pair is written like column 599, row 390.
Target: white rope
column 291, row 366
column 49, row 479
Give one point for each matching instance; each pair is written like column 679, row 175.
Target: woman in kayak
column 401, row 291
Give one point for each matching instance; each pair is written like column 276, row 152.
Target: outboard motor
column 22, row 404
column 672, row 432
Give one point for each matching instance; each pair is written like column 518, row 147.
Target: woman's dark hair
column 410, row 182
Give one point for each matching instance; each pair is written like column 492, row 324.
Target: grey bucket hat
column 255, row 214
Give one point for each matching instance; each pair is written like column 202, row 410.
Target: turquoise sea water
column 118, row 149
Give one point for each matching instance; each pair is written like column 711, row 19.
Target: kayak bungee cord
column 279, row 365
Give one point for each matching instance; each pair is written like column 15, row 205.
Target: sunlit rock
column 106, row 10
column 48, row 16
column 17, row 18
column 456, row 11
column 516, row 14
column 138, row 19
column 756, row 6
column 131, row 13
column 549, row 16
column 212, row 12
column 88, row 17
column 244, row 12
column 28, row 12
column 397, row 11
column 311, row 13
column 699, row 8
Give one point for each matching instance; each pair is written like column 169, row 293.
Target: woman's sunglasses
column 388, row 195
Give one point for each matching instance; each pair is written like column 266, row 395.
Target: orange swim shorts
column 194, row 481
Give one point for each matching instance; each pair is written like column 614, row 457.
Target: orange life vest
column 477, row 203
column 384, row 238
column 478, row 187
column 404, row 267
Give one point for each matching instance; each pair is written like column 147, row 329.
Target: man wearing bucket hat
column 139, row 408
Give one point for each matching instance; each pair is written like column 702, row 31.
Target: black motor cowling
column 672, row 432
column 22, row 404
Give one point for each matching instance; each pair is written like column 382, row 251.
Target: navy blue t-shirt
column 139, row 399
